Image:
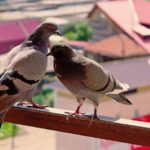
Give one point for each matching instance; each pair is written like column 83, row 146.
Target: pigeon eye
column 57, row 50
column 60, row 49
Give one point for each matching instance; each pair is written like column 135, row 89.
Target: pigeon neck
column 38, row 40
column 42, row 46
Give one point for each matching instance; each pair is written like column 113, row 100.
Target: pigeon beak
column 58, row 33
column 48, row 54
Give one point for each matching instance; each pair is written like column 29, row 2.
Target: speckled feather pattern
column 85, row 78
column 82, row 77
column 24, row 66
column 32, row 65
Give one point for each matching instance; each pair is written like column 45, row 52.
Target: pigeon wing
column 97, row 79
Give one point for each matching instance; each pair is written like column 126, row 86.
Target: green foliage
column 8, row 130
column 49, row 77
column 78, row 31
column 45, row 97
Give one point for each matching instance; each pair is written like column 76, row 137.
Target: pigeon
column 85, row 78
column 23, row 68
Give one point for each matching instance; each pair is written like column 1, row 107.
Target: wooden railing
column 123, row 130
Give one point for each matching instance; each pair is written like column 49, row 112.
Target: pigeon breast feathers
column 25, row 70
column 30, row 63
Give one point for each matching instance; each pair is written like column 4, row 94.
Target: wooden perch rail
column 122, row 130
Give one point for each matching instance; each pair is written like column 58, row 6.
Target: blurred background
column 115, row 33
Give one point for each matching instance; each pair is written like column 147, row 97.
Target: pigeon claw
column 31, row 105
column 75, row 114
column 92, row 118
column 34, row 105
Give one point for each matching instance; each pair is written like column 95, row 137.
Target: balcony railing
column 123, row 130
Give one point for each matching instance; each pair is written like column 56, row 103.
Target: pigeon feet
column 76, row 114
column 92, row 118
column 31, row 105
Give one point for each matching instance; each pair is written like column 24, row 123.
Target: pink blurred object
column 14, row 32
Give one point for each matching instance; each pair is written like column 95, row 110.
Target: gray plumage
column 85, row 78
column 23, row 67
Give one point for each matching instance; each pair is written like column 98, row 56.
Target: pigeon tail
column 125, row 86
column 120, row 98
column 120, row 87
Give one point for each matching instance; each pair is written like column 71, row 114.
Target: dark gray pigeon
column 23, row 68
column 86, row 78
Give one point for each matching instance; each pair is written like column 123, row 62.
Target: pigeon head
column 61, row 51
column 42, row 32
column 47, row 29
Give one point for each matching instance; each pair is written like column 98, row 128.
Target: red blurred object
column 137, row 147
column 145, row 118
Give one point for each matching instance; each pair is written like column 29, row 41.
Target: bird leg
column 34, row 105
column 94, row 116
column 31, row 104
column 77, row 111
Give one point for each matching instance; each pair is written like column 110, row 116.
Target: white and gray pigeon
column 23, row 68
column 85, row 78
